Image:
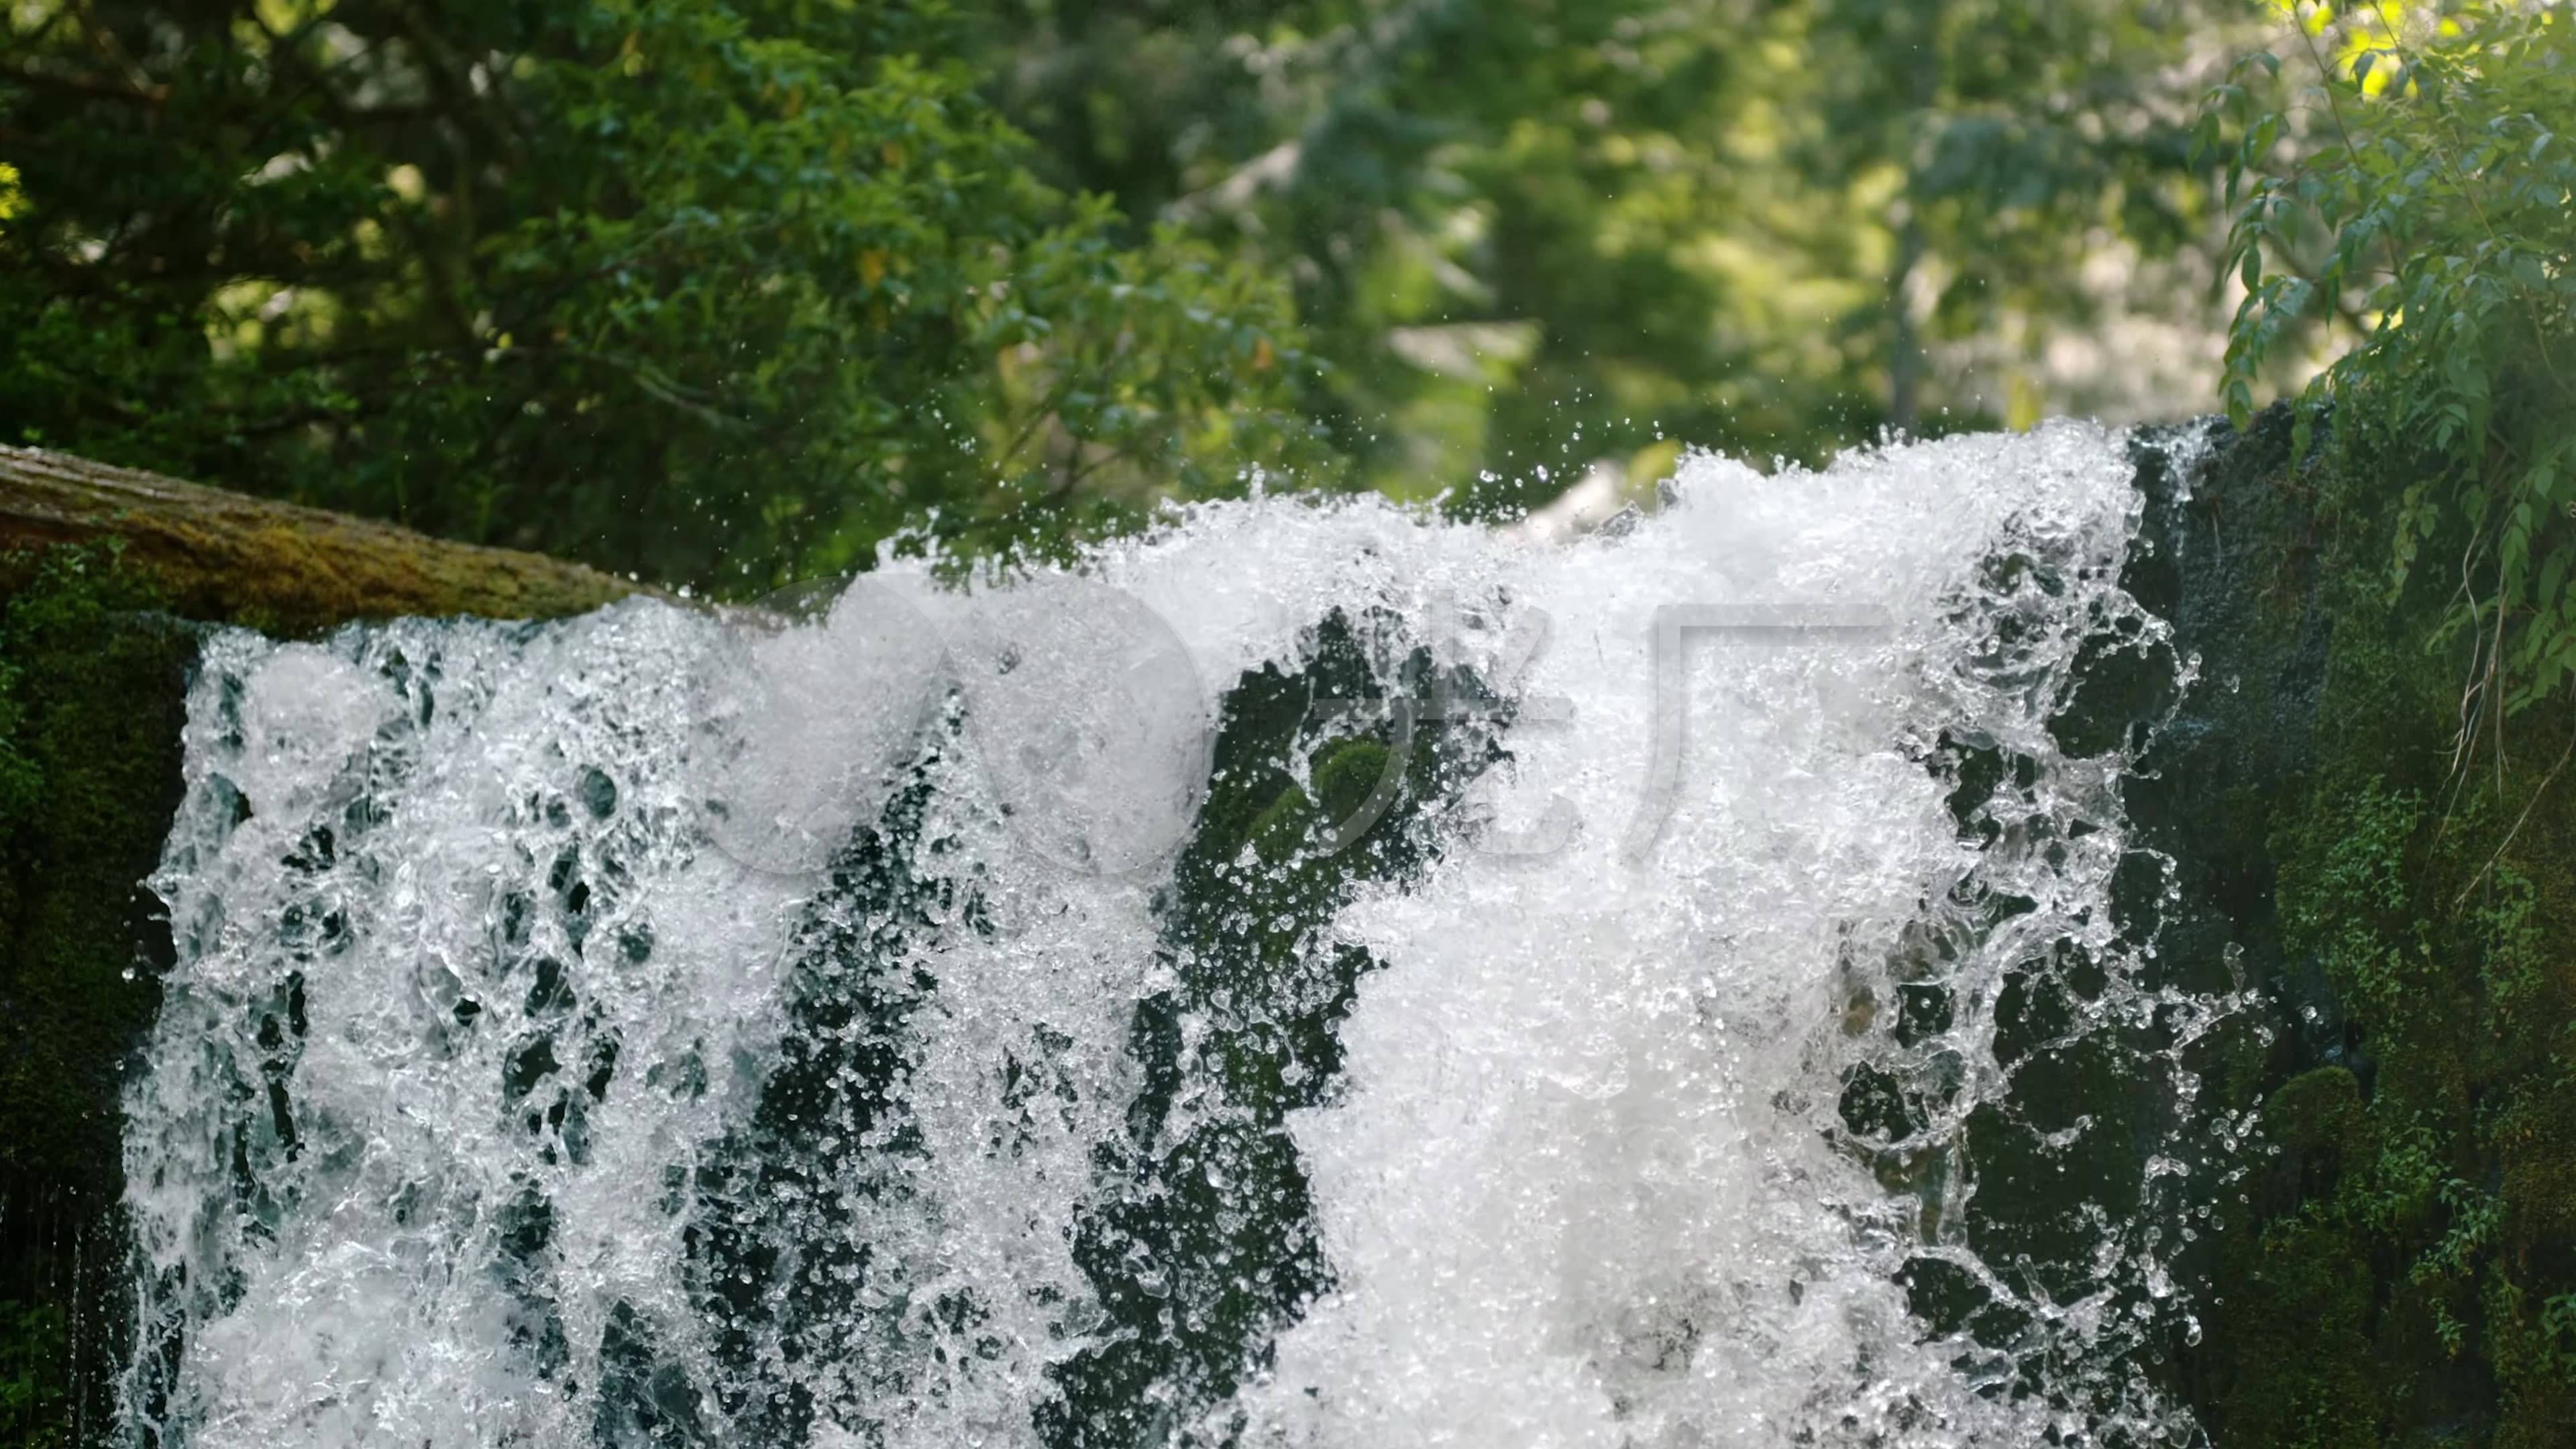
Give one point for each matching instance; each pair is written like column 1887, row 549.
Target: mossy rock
column 2392, row 1258
column 1219, row 1232
column 2379, row 1225
column 92, row 690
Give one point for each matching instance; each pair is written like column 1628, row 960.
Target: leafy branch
column 2454, row 158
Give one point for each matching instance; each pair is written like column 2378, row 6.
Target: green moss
column 2299, row 1288
column 1347, row 774
column 35, row 1343
column 2389, row 1276
column 91, row 705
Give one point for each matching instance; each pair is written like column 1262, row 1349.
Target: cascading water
column 1315, row 977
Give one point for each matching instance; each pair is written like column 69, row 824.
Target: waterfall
column 1313, row 975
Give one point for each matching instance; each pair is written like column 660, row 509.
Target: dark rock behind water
column 2381, row 1218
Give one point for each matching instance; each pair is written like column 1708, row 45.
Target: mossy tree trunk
column 228, row 557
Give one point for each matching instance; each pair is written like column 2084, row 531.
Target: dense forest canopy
column 694, row 290
column 1758, row 227
column 721, row 292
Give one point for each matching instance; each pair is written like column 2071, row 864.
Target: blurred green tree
column 711, row 292
column 2003, row 142
column 1530, row 236
column 731, row 291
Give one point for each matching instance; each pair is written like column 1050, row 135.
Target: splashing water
column 1252, row 991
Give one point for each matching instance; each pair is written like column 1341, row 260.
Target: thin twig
column 2465, row 742
column 151, row 96
column 2527, row 807
column 2495, row 685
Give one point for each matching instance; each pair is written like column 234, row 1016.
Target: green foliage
column 2440, row 184
column 1532, row 236
column 718, row 293
column 2355, row 888
column 35, row 1341
column 713, row 292
column 2403, row 1269
column 2020, row 138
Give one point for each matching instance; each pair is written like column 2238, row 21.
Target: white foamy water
column 657, row 1029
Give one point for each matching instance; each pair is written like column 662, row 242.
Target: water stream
column 1314, row 976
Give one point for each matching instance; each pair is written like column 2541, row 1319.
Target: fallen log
column 279, row 567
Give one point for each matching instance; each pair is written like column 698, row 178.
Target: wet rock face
column 2228, row 555
column 2380, row 1247
column 2133, row 1066
column 91, row 701
column 2228, row 552
column 2249, row 1094
column 2223, row 717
